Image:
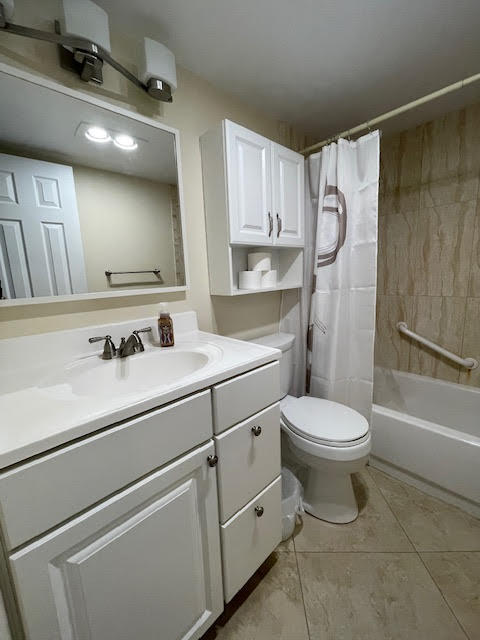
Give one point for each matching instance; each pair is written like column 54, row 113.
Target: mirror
column 90, row 201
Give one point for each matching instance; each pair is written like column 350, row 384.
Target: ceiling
column 322, row 65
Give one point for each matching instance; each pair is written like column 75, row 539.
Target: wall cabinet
column 254, row 197
column 264, row 188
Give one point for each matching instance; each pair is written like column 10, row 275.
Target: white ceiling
column 322, row 65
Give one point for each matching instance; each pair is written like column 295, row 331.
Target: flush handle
column 257, row 430
column 259, row 511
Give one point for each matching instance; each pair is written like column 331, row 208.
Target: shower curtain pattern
column 342, row 312
column 334, row 319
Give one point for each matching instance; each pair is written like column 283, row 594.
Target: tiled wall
column 429, row 245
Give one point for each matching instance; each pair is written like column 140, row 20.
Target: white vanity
column 137, row 494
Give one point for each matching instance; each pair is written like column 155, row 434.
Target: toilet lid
column 324, row 421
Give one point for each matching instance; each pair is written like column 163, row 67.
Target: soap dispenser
column 165, row 327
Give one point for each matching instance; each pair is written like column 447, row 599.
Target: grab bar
column 468, row 363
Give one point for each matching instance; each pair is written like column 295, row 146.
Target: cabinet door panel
column 241, row 397
column 247, row 540
column 288, row 196
column 247, row 462
column 249, row 185
column 144, row 564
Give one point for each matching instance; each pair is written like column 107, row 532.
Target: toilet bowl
column 328, row 438
column 332, row 441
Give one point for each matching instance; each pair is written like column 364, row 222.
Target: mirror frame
column 84, row 97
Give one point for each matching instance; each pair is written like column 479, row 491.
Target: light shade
column 85, row 19
column 157, row 62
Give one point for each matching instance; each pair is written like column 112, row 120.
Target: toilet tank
column 284, row 342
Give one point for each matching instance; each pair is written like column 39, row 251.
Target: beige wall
column 197, row 106
column 126, row 225
column 429, row 245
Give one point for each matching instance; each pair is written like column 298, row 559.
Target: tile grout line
column 421, row 559
column 301, row 588
column 472, row 258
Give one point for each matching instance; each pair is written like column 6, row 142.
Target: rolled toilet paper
column 269, row 279
column 250, row 280
column 260, row 261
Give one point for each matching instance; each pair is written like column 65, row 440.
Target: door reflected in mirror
column 89, row 198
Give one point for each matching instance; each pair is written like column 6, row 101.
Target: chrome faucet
column 126, row 348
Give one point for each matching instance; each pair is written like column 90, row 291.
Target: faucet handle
column 136, row 333
column 109, row 349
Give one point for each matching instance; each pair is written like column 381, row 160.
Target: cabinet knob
column 270, row 224
column 257, row 430
column 279, row 226
column 259, row 511
column 212, row 461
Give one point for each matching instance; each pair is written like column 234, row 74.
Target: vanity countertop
column 42, row 408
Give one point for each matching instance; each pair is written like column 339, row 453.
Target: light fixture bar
column 88, row 57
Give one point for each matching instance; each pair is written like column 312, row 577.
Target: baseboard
column 427, row 487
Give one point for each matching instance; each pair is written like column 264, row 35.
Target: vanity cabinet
column 144, row 528
column 143, row 564
column 254, row 197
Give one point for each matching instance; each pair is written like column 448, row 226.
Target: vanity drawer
column 244, row 395
column 247, row 462
column 247, row 539
column 45, row 491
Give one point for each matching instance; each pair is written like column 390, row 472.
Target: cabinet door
column 288, row 196
column 143, row 564
column 249, row 185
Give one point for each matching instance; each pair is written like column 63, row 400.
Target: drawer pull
column 256, row 431
column 259, row 511
column 212, row 461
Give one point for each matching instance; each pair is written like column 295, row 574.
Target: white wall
column 126, row 225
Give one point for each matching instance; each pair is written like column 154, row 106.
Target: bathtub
column 426, row 432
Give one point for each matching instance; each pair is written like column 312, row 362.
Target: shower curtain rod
column 394, row 112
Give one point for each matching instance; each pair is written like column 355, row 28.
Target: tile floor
column 407, row 569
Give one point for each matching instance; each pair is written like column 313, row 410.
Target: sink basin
column 138, row 373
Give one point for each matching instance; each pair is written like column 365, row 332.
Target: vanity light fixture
column 97, row 134
column 124, row 141
column 83, row 39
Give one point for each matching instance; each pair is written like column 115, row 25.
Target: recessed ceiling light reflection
column 124, row 141
column 97, row 134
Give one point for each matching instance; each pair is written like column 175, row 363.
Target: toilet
column 328, row 438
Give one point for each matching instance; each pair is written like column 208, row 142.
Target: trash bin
column 291, row 502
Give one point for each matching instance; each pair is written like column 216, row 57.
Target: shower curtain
column 334, row 315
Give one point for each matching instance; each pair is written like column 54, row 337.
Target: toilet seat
column 325, row 422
